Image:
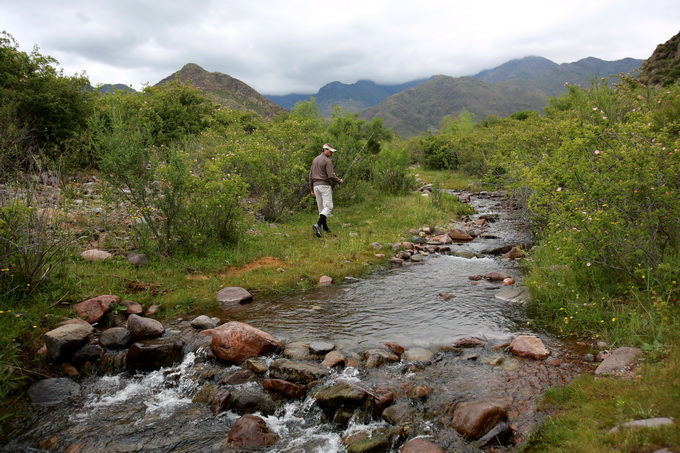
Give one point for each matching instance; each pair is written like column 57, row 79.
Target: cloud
column 300, row 45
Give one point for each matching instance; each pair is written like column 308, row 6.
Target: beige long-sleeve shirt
column 322, row 172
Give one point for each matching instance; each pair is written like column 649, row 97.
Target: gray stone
column 144, row 328
column 297, row 372
column 115, row 338
column 233, row 295
column 63, row 341
column 646, row 423
column 321, row 347
column 203, row 322
column 138, row 259
column 619, row 360
column 416, row 355
column 53, row 390
column 150, row 355
column 516, row 295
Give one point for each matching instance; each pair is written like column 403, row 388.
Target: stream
column 163, row 411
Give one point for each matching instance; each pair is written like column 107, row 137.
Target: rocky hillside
column 226, row 90
column 663, row 67
column 422, row 108
column 541, row 74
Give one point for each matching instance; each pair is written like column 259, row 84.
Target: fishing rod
column 359, row 155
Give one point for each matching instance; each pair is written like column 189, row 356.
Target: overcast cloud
column 297, row 46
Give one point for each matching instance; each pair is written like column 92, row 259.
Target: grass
column 585, row 411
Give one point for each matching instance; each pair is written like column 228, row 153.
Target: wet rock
column 203, row 322
column 206, row 394
column 251, row 432
column 144, row 328
column 236, row 341
column 239, row 377
column 498, row 435
column 417, row 355
column 150, row 355
column 297, row 350
column 297, row 372
column 138, row 259
column 115, row 338
column 381, row 399
column 230, row 296
column 529, row 346
column 92, row 310
column 321, row 347
column 333, row 358
column 516, row 295
column 400, row 413
column 96, row 255
column 251, row 401
column 377, row 442
column 89, row 353
column 341, row 394
column 396, row 261
column 469, row 343
column 53, row 390
column 508, row 281
column 220, row 401
column 376, row 358
column 473, row 419
column 445, row 296
column 396, row 348
column 257, row 366
column 459, row 235
column 421, row 446
column 496, row 276
column 619, row 360
column 288, row 389
column 63, row 341
column 514, row 253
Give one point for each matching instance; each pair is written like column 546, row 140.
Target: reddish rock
column 472, row 419
column 133, row 308
column 92, row 310
column 325, row 280
column 250, row 432
column 496, row 276
column 381, row 399
column 529, row 346
column 220, row 402
column 235, row 341
column 284, row 387
column 421, row 446
column 396, row 348
column 333, row 358
column 459, row 235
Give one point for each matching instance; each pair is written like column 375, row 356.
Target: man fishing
column 320, row 177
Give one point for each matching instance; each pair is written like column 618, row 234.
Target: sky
column 297, row 46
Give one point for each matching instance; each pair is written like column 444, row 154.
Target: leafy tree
column 42, row 111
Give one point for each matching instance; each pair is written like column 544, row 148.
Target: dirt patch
column 264, row 262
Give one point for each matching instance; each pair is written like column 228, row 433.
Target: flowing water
column 162, row 411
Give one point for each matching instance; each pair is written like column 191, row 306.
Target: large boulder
column 251, row 432
column 472, row 419
column 144, row 328
column 150, row 355
column 235, row 341
column 63, row 341
column 92, row 310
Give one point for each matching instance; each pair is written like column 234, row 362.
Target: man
column 320, row 177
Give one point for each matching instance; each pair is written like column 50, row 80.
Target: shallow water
column 158, row 411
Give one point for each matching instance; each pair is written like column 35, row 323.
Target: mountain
column 351, row 98
column 110, row 88
column 663, row 67
column 541, row 74
column 422, row 108
column 226, row 90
